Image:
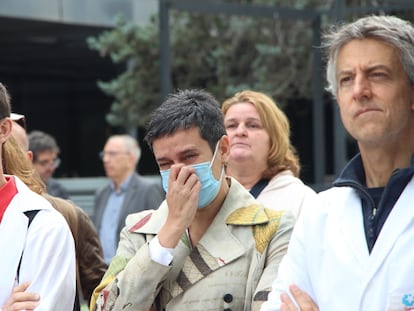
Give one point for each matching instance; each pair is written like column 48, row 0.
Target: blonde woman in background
column 262, row 157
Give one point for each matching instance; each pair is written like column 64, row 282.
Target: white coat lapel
column 14, row 228
column 352, row 225
column 400, row 217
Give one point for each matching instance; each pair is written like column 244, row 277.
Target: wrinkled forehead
column 367, row 53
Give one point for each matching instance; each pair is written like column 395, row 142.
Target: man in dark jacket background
column 126, row 193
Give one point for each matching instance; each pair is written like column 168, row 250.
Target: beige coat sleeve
column 133, row 279
column 274, row 253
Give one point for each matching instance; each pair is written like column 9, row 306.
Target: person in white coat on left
column 37, row 265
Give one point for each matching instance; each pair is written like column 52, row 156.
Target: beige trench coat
column 231, row 268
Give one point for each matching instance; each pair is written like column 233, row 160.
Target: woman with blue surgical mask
column 209, row 184
column 210, row 245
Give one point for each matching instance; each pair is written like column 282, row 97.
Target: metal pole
column 339, row 142
column 318, row 114
column 165, row 61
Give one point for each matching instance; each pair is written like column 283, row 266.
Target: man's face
column 46, row 163
column 118, row 162
column 188, row 148
column 375, row 97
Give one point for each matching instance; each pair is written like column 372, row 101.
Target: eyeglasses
column 111, row 154
column 45, row 163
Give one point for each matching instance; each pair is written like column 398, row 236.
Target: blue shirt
column 110, row 219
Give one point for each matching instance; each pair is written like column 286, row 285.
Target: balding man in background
column 126, row 193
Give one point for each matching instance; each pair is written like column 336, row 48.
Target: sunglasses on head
column 19, row 119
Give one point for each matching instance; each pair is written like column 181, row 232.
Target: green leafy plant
column 220, row 53
column 136, row 90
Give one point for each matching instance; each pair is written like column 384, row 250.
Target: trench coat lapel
column 219, row 246
column 216, row 249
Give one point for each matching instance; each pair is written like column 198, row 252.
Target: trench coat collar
column 232, row 212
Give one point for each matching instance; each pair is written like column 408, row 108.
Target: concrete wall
column 86, row 12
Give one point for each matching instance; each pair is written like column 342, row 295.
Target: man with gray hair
column 352, row 247
column 126, row 193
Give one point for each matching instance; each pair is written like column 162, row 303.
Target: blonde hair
column 282, row 154
column 16, row 162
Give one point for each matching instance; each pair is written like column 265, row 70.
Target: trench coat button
column 228, row 298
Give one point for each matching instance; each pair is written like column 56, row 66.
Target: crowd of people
column 231, row 226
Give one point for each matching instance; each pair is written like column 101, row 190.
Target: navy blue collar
column 377, row 203
column 354, row 173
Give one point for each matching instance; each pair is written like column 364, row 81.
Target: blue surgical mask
column 209, row 185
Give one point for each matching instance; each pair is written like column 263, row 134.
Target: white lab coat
column 328, row 256
column 48, row 260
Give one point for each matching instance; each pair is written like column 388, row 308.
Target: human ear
column 224, row 148
column 5, row 129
